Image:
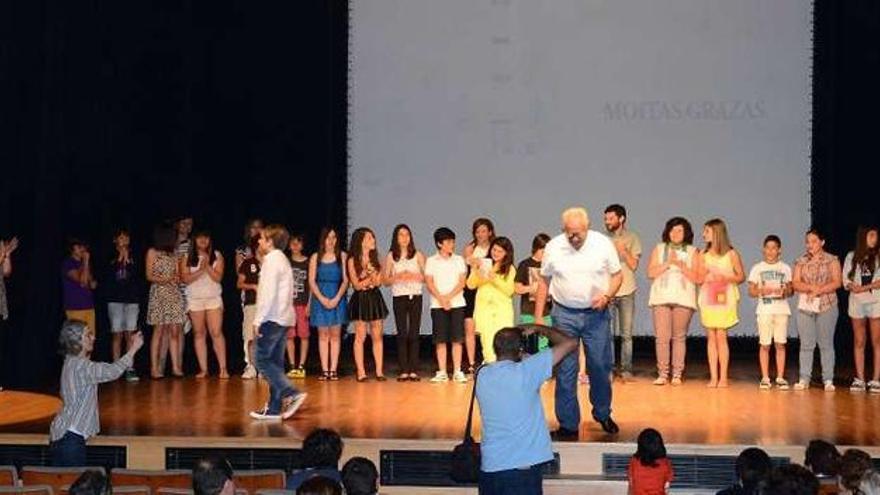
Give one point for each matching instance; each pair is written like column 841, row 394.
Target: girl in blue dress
column 328, row 284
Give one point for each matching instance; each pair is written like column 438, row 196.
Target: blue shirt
column 515, row 431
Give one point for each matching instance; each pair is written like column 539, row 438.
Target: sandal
column 324, row 376
column 362, row 379
column 334, row 377
column 380, row 378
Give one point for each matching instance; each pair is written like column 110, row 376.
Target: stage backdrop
column 514, row 109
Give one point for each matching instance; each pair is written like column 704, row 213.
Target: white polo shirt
column 578, row 276
column 446, row 272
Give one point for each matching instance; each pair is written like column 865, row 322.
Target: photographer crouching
column 515, row 439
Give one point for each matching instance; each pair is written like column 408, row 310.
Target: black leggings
column 408, row 317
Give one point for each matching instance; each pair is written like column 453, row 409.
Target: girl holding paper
column 816, row 280
column 494, row 282
column 720, row 273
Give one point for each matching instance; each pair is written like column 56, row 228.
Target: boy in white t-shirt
column 770, row 283
column 445, row 274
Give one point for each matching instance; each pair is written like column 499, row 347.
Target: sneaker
column 874, row 387
column 263, row 414
column 459, row 377
column 291, row 373
column 829, row 386
column 781, row 383
column 131, row 376
column 440, row 377
column 660, row 381
column 801, row 385
column 765, row 384
column 627, row 377
column 291, row 404
column 676, row 381
column 858, row 385
column 249, row 372
column 301, row 373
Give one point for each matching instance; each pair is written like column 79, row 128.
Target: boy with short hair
column 248, row 280
column 770, row 282
column 528, row 272
column 299, row 263
column 445, row 274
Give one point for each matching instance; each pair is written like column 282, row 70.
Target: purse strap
column 470, row 420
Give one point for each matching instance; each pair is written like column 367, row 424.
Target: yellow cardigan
column 493, row 308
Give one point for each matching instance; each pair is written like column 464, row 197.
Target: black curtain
column 126, row 113
column 846, row 105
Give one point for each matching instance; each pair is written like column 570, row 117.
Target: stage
column 150, row 415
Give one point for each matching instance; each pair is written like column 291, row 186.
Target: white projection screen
column 515, row 109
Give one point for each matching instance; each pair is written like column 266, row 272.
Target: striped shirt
column 79, row 390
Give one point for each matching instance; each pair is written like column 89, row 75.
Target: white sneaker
column 801, row 385
column 249, row 372
column 676, row 381
column 858, row 385
column 781, row 383
column 829, row 386
column 765, row 384
column 263, row 414
column 874, row 387
column 440, row 377
column 459, row 377
column 660, row 381
column 291, row 404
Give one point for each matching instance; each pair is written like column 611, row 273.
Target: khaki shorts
column 247, row 323
column 772, row 328
column 204, row 304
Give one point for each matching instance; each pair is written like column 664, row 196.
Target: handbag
column 465, row 465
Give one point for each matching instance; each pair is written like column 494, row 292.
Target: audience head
column 75, row 339
column 507, row 344
column 790, row 479
column 822, row 458
column 650, row 447
column 319, row 485
column 752, row 466
column 678, row 231
column 213, row 476
column 853, row 465
column 360, row 477
column 322, row 448
column 91, row 483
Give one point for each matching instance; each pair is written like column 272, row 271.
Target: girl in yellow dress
column 494, row 283
column 721, row 271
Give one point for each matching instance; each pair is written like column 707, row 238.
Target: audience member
column 321, row 451
column 360, row 477
column 319, row 485
column 853, row 465
column 91, row 483
column 213, row 476
column 650, row 471
column 752, row 466
column 823, row 460
column 791, row 479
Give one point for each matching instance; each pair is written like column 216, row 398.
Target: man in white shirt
column 581, row 271
column 273, row 315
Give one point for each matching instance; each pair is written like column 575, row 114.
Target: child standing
column 770, row 283
column 445, row 278
column 526, row 284
column 248, row 279
column 300, row 265
column 650, row 471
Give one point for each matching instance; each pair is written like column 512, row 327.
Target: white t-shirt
column 446, row 272
column 772, row 275
column 578, row 276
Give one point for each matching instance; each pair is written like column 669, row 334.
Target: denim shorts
column 123, row 317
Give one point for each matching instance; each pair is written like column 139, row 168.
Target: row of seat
column 134, row 481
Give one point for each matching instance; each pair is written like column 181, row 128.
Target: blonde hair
column 576, row 213
column 720, row 238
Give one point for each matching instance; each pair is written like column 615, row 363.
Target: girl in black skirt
column 366, row 306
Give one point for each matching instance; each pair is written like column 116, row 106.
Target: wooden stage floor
column 690, row 414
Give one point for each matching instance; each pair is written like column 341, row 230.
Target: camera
column 532, row 339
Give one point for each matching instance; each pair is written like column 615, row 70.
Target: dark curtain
column 121, row 114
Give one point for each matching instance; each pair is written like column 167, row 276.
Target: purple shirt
column 74, row 295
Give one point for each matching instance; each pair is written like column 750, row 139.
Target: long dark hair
column 482, row 221
column 864, row 255
column 193, row 256
column 395, row 247
column 650, row 447
column 357, row 249
column 506, row 262
column 165, row 237
column 321, row 241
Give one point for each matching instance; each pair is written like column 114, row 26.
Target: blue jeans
column 270, row 363
column 813, row 329
column 622, row 309
column 512, row 482
column 591, row 327
column 69, row 451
